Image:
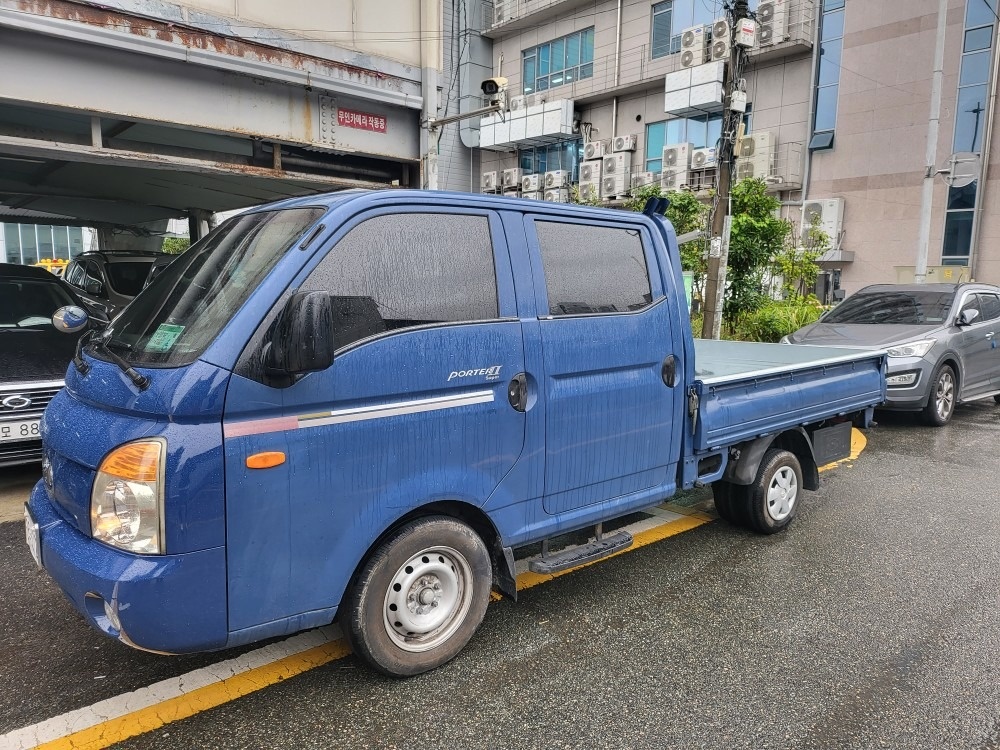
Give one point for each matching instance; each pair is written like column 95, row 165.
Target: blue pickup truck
column 358, row 406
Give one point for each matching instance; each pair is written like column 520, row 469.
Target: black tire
column 731, row 502
column 427, row 563
column 776, row 492
column 943, row 397
column 996, row 399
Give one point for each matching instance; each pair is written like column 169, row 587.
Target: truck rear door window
column 404, row 270
column 593, row 269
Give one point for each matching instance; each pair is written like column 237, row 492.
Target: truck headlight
column 126, row 504
column 912, row 349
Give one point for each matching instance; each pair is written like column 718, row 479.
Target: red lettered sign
column 350, row 118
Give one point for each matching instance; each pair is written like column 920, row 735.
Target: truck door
column 605, row 337
column 413, row 410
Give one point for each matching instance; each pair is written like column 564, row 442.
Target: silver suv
column 943, row 341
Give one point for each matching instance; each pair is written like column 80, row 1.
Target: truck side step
column 584, row 553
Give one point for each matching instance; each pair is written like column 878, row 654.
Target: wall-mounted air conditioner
column 512, row 178
column 617, row 164
column 557, row 195
column 488, row 182
column 755, row 144
column 693, row 46
column 673, row 181
column 623, row 143
column 531, row 183
column 590, row 171
column 676, row 156
column 643, row 179
column 556, row 179
column 829, row 213
column 772, row 22
column 593, row 150
column 704, row 158
column 722, row 39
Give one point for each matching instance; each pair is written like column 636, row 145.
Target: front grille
column 40, row 395
column 23, row 452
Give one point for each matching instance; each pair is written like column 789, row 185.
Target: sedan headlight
column 912, row 349
column 126, row 504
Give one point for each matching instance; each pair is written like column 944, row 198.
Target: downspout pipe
column 814, row 80
column 430, row 57
column 984, row 165
column 618, row 70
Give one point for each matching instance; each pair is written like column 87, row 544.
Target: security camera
column 493, row 86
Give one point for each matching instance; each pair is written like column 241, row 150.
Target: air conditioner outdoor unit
column 676, row 156
column 558, row 195
column 531, row 183
column 674, row 181
column 753, row 169
column 617, row 165
column 590, row 191
column 556, row 179
column 643, row 179
column 534, row 195
column 593, row 150
column 623, row 143
column 722, row 39
column 517, row 103
column 590, row 171
column 614, row 186
column 500, row 12
column 704, row 158
column 693, row 46
column 829, row 213
column 756, row 144
column 512, row 178
column 772, row 22
column 489, row 182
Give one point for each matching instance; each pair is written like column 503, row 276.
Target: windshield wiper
column 78, row 361
column 138, row 380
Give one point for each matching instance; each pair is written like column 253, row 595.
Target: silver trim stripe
column 358, row 414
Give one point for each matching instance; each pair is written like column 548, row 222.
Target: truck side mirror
column 303, row 337
column 967, row 318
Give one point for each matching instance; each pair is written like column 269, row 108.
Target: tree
column 175, row 245
column 758, row 236
column 797, row 265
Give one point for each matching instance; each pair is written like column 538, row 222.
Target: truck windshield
column 893, row 308
column 172, row 320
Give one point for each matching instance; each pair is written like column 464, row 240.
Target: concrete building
column 843, row 87
column 126, row 114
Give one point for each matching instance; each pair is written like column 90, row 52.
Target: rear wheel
column 731, row 502
column 420, row 597
column 774, row 495
column 944, row 394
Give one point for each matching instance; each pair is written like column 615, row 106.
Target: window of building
column 661, row 29
column 970, row 118
column 700, row 132
column 591, row 269
column 12, row 242
column 831, row 49
column 559, row 62
column 404, row 270
column 540, row 159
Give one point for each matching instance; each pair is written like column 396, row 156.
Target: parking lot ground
column 872, row 621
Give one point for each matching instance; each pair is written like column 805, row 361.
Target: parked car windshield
column 893, row 308
column 29, row 303
column 174, row 318
column 127, row 277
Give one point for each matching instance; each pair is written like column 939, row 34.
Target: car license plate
column 32, row 536
column 25, row 429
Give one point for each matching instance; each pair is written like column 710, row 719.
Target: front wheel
column 775, row 493
column 420, row 597
column 944, row 393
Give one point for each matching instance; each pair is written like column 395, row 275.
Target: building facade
column 838, row 97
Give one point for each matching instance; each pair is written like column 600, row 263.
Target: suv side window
column 990, row 304
column 74, row 274
column 400, row 271
column 93, row 273
column 593, row 269
column 971, row 303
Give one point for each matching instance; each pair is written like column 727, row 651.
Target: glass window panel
column 541, row 161
column 963, row 197
column 586, row 71
column 542, row 84
column 572, row 50
column 676, row 132
column 958, row 233
column 60, row 238
column 978, row 39
column 661, row 30
column 12, row 241
column 697, row 132
column 833, row 25
column 529, row 75
column 543, row 60
column 556, row 79
column 704, row 12
column 821, row 141
column 714, row 132
column 684, row 13
column 654, row 165
column 969, row 118
column 46, row 247
column 829, row 66
column 829, row 5
column 528, row 161
column 591, row 269
column 29, row 248
column 826, row 108
column 75, row 241
column 587, row 47
column 975, row 68
column 980, row 13
column 558, row 55
column 655, row 133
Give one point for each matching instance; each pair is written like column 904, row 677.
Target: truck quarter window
column 404, row 270
column 592, row 269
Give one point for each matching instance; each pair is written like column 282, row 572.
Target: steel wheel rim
column 782, row 493
column 427, row 599
column 944, row 395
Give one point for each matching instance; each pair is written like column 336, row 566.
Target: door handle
column 990, row 334
column 669, row 371
column 517, row 392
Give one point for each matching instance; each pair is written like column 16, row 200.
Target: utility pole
column 718, row 255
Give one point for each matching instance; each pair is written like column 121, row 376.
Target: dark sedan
column 34, row 356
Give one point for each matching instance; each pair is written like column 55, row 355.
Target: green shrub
column 775, row 319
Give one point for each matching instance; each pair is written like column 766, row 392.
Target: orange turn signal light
column 138, row 462
column 265, row 460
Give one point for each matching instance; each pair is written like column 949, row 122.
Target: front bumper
column 909, row 397
column 166, row 603
column 20, row 452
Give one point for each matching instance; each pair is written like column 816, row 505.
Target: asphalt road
column 873, row 621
